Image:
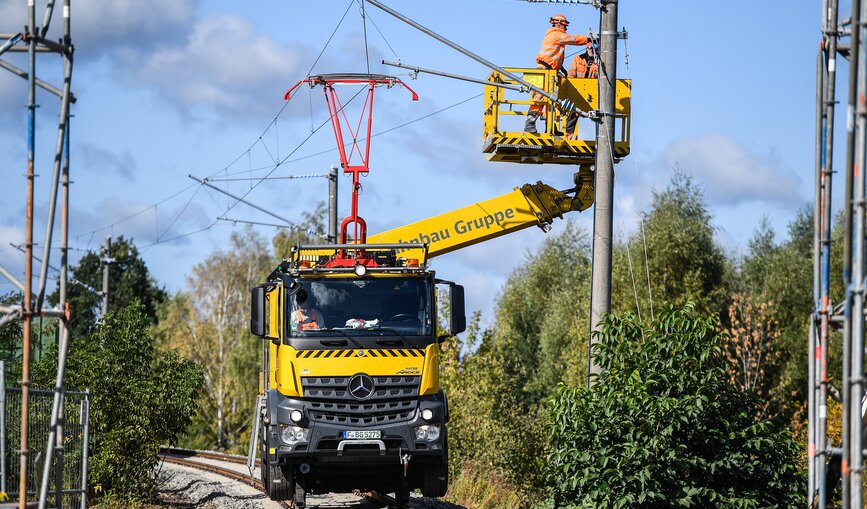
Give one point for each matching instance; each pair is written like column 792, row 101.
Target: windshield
column 360, row 307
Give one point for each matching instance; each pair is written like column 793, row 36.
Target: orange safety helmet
column 559, row 19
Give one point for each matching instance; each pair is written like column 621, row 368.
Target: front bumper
column 326, row 444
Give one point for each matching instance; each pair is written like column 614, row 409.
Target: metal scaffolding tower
column 831, row 463
column 34, row 39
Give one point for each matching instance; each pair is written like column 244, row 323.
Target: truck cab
column 350, row 379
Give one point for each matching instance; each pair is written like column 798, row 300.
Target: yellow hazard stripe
column 334, row 354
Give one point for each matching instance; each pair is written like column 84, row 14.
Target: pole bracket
column 622, row 34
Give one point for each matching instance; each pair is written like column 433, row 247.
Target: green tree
column 497, row 380
column 129, row 280
column 683, row 260
column 783, row 273
column 11, row 333
column 663, row 427
column 313, row 222
column 209, row 324
column 141, row 399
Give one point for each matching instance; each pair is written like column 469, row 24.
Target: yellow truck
column 351, row 398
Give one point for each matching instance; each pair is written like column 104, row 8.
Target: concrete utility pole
column 106, row 262
column 603, row 212
column 332, row 205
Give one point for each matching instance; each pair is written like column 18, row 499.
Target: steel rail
column 183, row 457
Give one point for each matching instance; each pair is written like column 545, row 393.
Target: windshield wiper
column 345, row 335
column 393, row 331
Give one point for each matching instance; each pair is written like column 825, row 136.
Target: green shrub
column 662, row 427
column 140, row 399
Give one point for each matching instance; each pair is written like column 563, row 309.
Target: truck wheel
column 436, row 480
column 278, row 485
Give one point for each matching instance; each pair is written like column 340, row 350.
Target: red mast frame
column 358, row 146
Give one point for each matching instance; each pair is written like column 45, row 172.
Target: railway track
column 193, row 459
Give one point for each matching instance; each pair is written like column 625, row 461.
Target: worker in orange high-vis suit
column 583, row 66
column 304, row 317
column 551, row 56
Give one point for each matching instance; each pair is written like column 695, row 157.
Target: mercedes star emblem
column 361, row 386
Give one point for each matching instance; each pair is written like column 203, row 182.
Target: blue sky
column 168, row 88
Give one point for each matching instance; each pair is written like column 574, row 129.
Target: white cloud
column 13, row 98
column 225, row 66
column 106, row 161
column 731, row 174
column 99, row 27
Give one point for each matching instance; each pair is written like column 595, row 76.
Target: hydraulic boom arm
column 530, row 205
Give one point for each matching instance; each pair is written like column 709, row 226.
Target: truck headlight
column 296, row 415
column 294, row 434
column 429, row 432
column 427, row 414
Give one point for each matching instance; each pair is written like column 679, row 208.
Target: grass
column 481, row 487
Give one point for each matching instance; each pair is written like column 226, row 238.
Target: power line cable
column 142, row 211
column 133, row 215
column 364, row 25
column 330, row 37
column 293, row 152
column 287, row 177
column 399, row 126
column 178, row 216
column 640, row 194
column 381, row 35
column 271, row 167
column 178, row 237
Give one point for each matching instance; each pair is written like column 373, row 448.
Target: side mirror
column 458, row 319
column 257, row 311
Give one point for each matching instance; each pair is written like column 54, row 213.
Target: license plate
column 362, row 435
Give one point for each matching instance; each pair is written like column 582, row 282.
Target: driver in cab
column 305, row 317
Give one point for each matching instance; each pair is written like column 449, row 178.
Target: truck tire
column 436, row 480
column 278, row 485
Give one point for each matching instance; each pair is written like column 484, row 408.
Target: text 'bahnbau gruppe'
column 464, row 226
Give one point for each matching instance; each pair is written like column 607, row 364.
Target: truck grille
column 394, row 399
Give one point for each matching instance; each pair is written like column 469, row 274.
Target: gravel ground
column 186, row 487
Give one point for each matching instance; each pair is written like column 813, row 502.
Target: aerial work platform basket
column 505, row 140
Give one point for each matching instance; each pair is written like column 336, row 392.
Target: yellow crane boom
column 529, row 205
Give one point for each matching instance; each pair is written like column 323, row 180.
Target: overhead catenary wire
column 277, row 165
column 179, row 214
column 330, row 37
column 287, row 177
column 640, row 195
column 372, row 22
column 626, row 244
column 366, row 49
column 640, row 226
column 290, row 226
column 247, row 152
column 254, row 186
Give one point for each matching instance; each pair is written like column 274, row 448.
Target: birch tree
column 208, row 323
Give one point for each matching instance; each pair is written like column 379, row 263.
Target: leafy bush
column 139, row 399
column 662, row 427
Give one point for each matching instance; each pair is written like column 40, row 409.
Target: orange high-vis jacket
column 554, row 44
column 580, row 69
column 303, row 325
